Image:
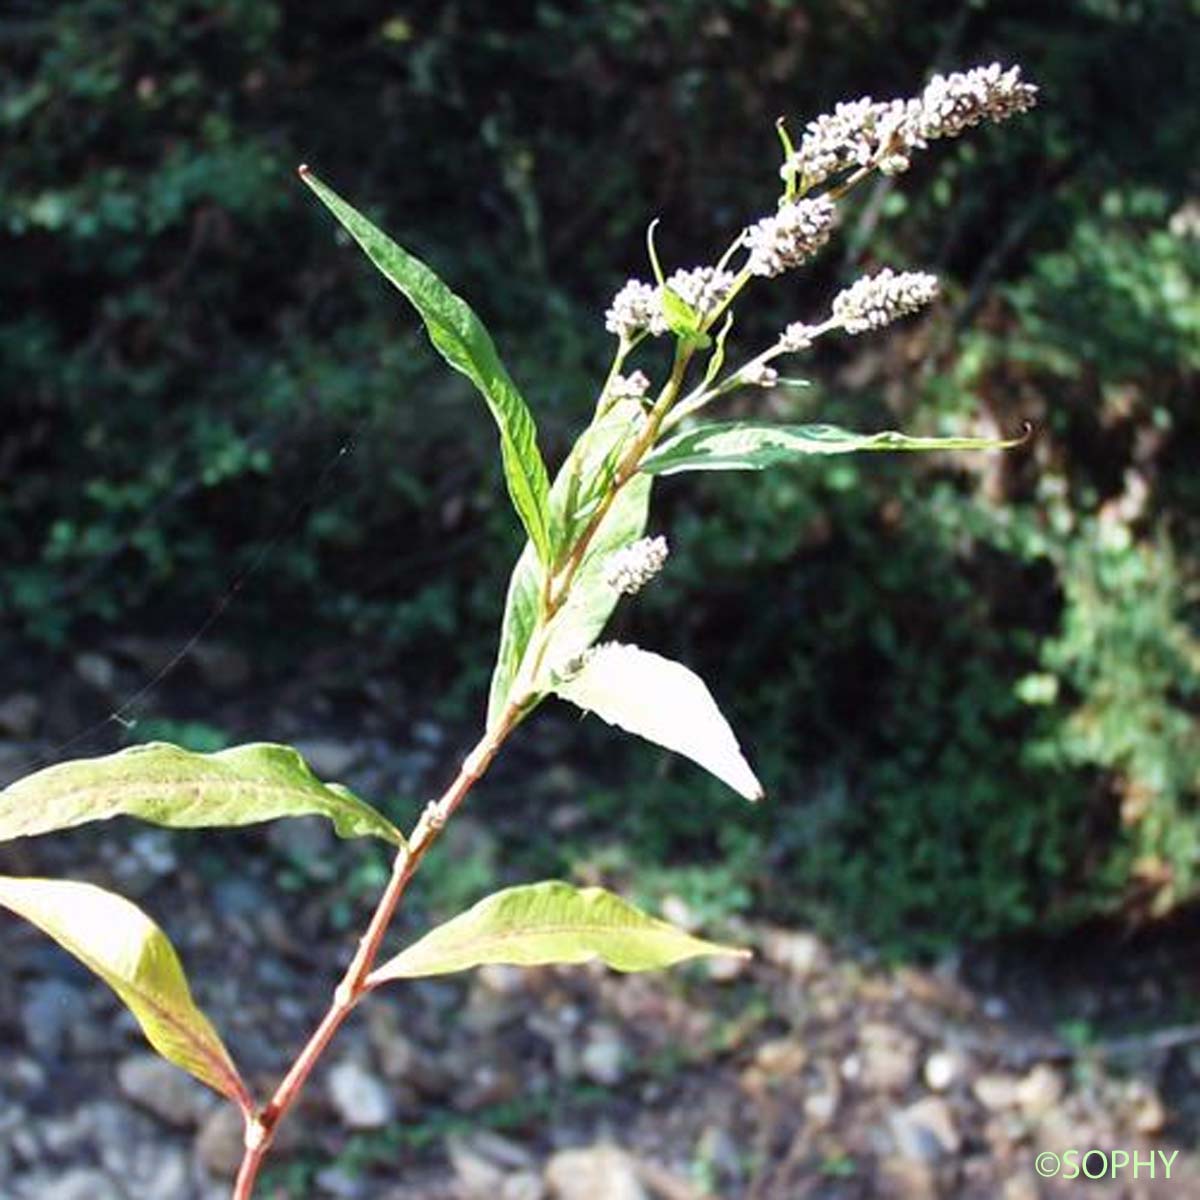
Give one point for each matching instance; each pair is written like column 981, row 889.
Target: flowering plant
column 586, row 548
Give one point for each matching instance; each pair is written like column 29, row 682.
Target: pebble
column 600, row 1172
column 328, row 758
column 796, row 951
column 997, row 1092
column 926, row 1130
column 51, row 1011
column 342, row 1184
column 605, row 1056
column 1040, row 1090
column 19, row 714
column 1148, row 1113
column 361, row 1099
column 943, row 1069
column 96, row 670
column 80, row 1183
column 164, row 1090
column 889, row 1057
column 220, row 1143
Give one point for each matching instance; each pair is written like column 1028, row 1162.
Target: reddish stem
column 262, row 1126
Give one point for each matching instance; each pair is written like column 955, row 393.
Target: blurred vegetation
column 972, row 687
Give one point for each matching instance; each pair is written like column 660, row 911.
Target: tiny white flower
column 797, row 336
column 629, row 387
column 702, row 288
column 629, row 569
column 876, row 300
column 632, row 310
column 789, row 237
column 866, row 132
column 951, row 103
column 759, row 375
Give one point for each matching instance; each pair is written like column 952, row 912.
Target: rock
column 139, row 863
column 943, row 1069
column 798, row 952
column 1146, row 1109
column 925, row 1131
column 220, row 1143
column 80, row 1183
column 147, row 1170
column 725, row 968
column 906, row 1179
column 361, row 1099
column 1021, row 1187
column 494, row 1081
column 600, row 1172
column 1040, row 1090
column 306, row 841
column 996, row 1091
column 400, row 1058
column 19, row 714
column 889, row 1057
column 341, row 1184
column 490, row 1167
column 163, row 1090
column 51, row 1010
column 782, row 1058
column 328, row 758
column 96, row 670
column 605, row 1055
column 821, row 1107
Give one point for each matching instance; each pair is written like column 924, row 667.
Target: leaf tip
column 303, row 170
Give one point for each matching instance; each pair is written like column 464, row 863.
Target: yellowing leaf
column 664, row 702
column 550, row 922
column 117, row 941
column 167, row 785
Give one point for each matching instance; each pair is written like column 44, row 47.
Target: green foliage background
column 971, row 686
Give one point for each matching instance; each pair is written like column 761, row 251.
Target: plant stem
column 262, row 1126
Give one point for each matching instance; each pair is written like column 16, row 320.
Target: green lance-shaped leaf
column 463, row 341
column 747, row 446
column 117, row 941
column 664, row 702
column 583, row 618
column 550, row 922
column 167, row 785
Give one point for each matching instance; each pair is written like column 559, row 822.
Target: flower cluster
column 634, row 308
column 629, row 387
column 877, row 300
column 633, row 566
column 637, row 307
column 703, row 289
column 790, row 237
column 884, row 134
column 797, row 336
column 757, row 374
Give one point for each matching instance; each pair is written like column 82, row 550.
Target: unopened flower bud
column 876, row 300
column 759, row 375
column 702, row 288
column 797, row 336
column 632, row 567
column 951, row 103
column 790, row 237
column 633, row 310
column 629, row 387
